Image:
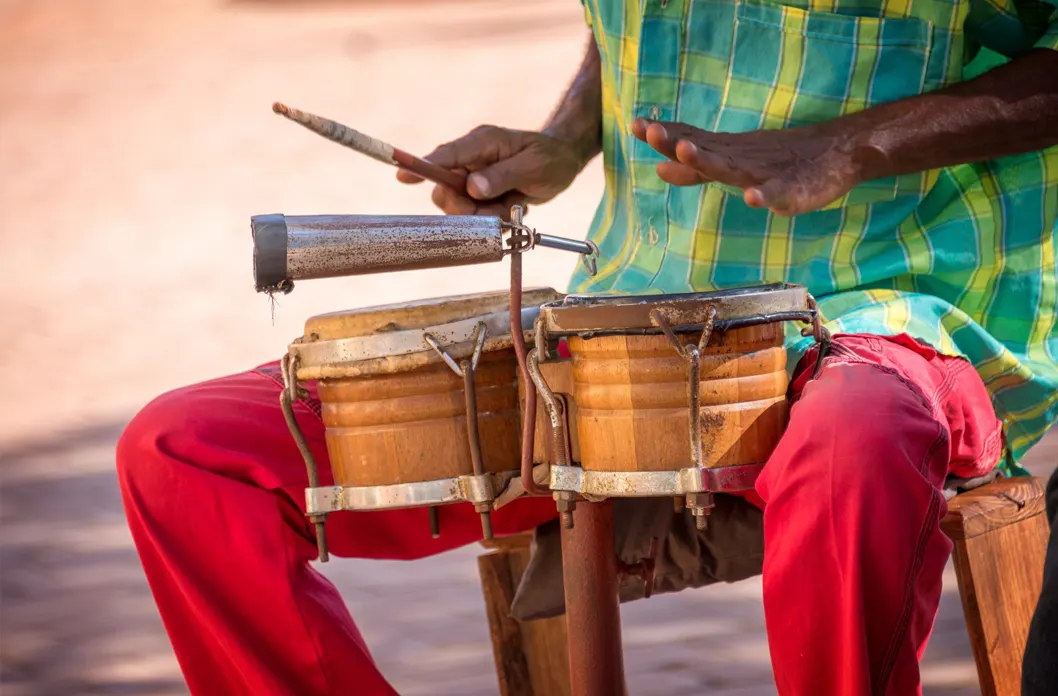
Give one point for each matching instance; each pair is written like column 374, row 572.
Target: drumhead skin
column 387, row 339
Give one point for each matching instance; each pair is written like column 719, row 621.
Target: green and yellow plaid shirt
column 962, row 257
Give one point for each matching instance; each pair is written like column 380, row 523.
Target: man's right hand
column 506, row 167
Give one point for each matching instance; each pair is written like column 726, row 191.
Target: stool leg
column 1000, row 574
column 531, row 657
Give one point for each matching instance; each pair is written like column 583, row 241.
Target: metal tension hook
column 699, row 503
column 819, row 333
column 290, row 394
column 465, row 369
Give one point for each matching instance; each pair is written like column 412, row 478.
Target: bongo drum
column 676, row 395
column 402, row 427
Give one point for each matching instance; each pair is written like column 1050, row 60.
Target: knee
column 150, row 434
column 861, row 430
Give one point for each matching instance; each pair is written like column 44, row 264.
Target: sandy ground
column 136, row 141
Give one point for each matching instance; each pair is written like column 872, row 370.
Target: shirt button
column 655, row 113
column 653, row 235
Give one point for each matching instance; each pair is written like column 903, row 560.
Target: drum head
column 598, row 315
column 391, row 338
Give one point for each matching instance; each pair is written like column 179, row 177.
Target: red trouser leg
column 213, row 487
column 853, row 548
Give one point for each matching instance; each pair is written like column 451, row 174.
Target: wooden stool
column 530, row 657
column 1000, row 534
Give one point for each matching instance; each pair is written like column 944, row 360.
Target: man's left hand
column 790, row 171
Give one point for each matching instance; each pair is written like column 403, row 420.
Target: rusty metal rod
column 593, row 617
column 520, row 351
column 470, row 392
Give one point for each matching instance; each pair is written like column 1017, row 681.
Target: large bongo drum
column 675, row 395
column 419, row 400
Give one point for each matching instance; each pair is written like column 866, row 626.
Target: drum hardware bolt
column 289, row 395
column 566, row 502
column 643, row 569
column 700, row 504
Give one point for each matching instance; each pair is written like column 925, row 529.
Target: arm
column 578, row 117
column 1010, row 110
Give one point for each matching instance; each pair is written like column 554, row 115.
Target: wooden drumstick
column 373, row 148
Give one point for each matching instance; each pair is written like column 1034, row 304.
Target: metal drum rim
column 587, row 316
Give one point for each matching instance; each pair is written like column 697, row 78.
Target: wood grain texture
column 559, row 377
column 531, row 657
column 508, row 652
column 999, row 554
column 411, row 426
column 994, row 506
column 631, row 392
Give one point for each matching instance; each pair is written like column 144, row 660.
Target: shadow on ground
column 78, row 617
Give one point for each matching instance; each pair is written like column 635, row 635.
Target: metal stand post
column 593, row 617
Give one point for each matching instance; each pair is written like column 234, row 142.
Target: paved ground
column 135, row 142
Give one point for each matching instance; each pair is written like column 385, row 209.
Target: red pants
column 214, row 492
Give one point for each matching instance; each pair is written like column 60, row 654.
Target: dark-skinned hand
column 789, row 171
column 506, row 168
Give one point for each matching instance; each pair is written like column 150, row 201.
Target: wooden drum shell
column 411, row 426
column 631, row 393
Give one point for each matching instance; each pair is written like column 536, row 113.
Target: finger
column 713, row 166
column 406, row 177
column 481, row 146
column 657, row 136
column 520, row 172
column 679, row 174
column 451, row 203
column 639, row 128
column 682, row 131
column 771, row 194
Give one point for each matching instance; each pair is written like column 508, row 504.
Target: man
column 841, row 145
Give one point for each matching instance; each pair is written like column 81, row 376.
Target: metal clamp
column 525, row 239
column 466, row 369
column 469, row 488
column 290, row 394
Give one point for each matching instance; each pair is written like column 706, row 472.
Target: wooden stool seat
column 999, row 532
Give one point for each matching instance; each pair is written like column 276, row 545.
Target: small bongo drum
column 419, row 400
column 676, row 395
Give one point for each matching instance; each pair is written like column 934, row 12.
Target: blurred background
column 136, row 140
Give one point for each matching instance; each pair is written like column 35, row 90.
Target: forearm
column 1010, row 110
column 578, row 117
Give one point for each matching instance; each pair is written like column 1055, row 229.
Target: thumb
column 772, row 194
column 517, row 172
